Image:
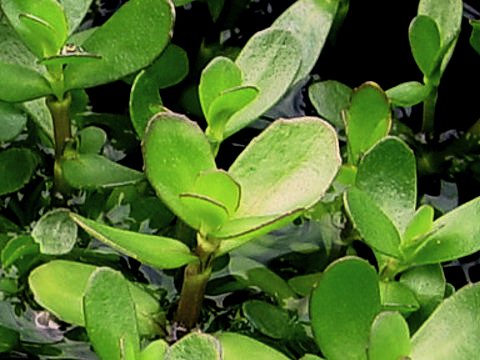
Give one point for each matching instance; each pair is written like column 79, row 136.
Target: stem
column 429, row 111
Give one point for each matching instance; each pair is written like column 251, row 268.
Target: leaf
column 288, row 166
column 110, row 316
column 453, row 330
column 75, row 11
column 9, row 339
column 59, row 287
column 389, row 337
column 236, row 346
column 387, row 174
column 269, row 61
column 303, row 284
column 268, row 319
column 145, row 26
column 170, row 67
column 12, row 121
column 157, row 251
column 154, row 351
column 396, row 296
column 55, row 232
column 408, row 94
column 215, row 7
column 170, row 169
column 368, row 119
column 425, row 42
column 419, row 225
column 92, row 139
column 20, row 83
column 309, row 21
column 18, row 248
column 16, row 166
column 330, row 98
column 40, row 115
column 92, row 171
column 475, row 35
column 453, row 235
column 343, row 307
column 195, row 346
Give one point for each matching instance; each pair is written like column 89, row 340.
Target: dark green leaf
column 170, row 67
column 475, row 35
column 9, row 339
column 16, row 168
column 215, row 7
column 268, row 319
column 12, row 121
column 55, row 232
column 20, row 83
column 389, row 337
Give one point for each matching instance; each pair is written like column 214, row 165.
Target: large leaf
column 453, row 331
column 236, row 347
column 158, row 251
column 269, row 61
column 289, row 166
column 20, row 83
column 12, row 121
column 16, row 169
column 309, row 21
column 424, row 36
column 75, row 11
column 195, row 346
column 145, row 26
column 55, row 232
column 343, row 307
column 110, row 316
column 389, row 337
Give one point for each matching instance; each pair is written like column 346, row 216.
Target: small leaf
column 268, row 319
column 18, row 248
column 20, row 83
column 92, row 171
column 195, row 346
column 368, row 119
column 419, row 225
column 236, row 347
column 215, row 7
column 425, row 42
column 16, row 166
column 343, row 307
column 155, row 350
column 389, row 337
column 408, row 94
column 304, row 284
column 92, row 139
column 55, row 232
column 475, row 35
column 13, row 121
column 210, row 213
column 452, row 331
column 158, row 251
column 396, row 296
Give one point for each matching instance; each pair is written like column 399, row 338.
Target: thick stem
column 429, row 104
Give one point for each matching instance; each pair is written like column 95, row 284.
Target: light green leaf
column 145, row 26
column 269, row 61
column 408, row 94
column 20, row 83
column 368, row 119
column 309, row 21
column 425, row 42
column 343, row 307
column 195, row 346
column 268, row 319
column 396, row 296
column 16, row 168
column 389, row 337
column 12, row 121
column 453, row 330
column 75, row 11
column 92, row 171
column 236, row 346
column 157, row 251
column 419, row 225
column 91, row 140
column 155, row 350
column 55, row 232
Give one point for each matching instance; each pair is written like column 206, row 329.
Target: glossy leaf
column 20, row 83
column 408, row 94
column 453, row 330
column 425, row 42
column 75, row 11
column 396, row 296
column 419, row 225
column 387, row 174
column 158, row 251
column 309, row 21
column 110, row 316
column 16, row 168
column 330, row 98
column 154, row 351
column 195, row 346
column 92, row 171
column 12, row 121
column 59, row 286
column 368, row 119
column 343, row 307
column 9, row 339
column 92, row 139
column 145, row 26
column 268, row 319
column 236, row 346
column 55, row 232
column 269, row 61
column 389, row 337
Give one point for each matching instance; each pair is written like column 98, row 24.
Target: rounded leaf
column 236, row 347
column 12, row 121
column 425, row 42
column 55, row 232
column 21, row 83
column 195, row 346
column 389, row 337
column 17, row 167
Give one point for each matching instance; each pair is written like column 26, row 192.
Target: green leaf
column 303, row 284
column 389, row 337
column 154, row 351
column 343, row 307
column 59, row 286
column 110, row 316
column 20, row 83
column 309, row 21
column 408, row 94
column 16, row 166
column 425, row 42
column 40, row 115
column 289, row 166
column 75, row 11
column 215, row 7
column 92, row 171
column 157, row 251
column 396, row 296
column 475, row 35
column 268, row 319
column 145, row 26
column 170, row 67
column 375, row 227
column 269, row 61
column 419, row 225
column 12, row 121
column 330, row 98
column 92, row 139
column 195, row 346
column 9, row 339
column 387, row 174
column 170, row 169
column 368, row 119
column 448, row 240
column 55, row 232
column 453, row 330
column 18, row 248
column 236, row 347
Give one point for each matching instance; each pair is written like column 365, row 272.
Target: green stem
column 429, row 112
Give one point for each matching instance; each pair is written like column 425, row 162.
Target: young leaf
column 408, row 94
column 419, row 225
column 110, row 316
column 368, row 119
column 20, row 83
column 236, row 346
column 157, row 251
column 210, row 214
column 75, row 11
column 154, row 351
column 17, row 167
column 145, row 26
column 195, row 346
column 389, row 337
column 396, row 296
column 343, row 307
column 91, row 140
column 55, row 232
column 425, row 42
column 452, row 331
column 13, row 121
